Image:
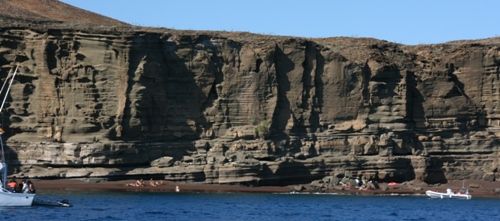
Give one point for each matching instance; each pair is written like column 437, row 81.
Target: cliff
column 221, row 107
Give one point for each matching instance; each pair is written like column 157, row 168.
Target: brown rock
column 243, row 108
column 163, row 162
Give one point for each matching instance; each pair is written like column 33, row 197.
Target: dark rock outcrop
column 242, row 108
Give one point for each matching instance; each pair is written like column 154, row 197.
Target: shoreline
column 482, row 189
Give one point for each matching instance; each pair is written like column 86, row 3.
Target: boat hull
column 438, row 195
column 16, row 199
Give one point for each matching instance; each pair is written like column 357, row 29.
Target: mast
column 3, row 164
column 8, row 88
column 6, row 80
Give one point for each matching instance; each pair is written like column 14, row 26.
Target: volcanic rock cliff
column 240, row 108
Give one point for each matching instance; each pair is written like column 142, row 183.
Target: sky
column 401, row 21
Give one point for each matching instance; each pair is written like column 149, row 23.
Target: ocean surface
column 238, row 206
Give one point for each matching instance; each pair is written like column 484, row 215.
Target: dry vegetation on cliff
column 50, row 11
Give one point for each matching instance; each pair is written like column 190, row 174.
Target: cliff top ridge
column 45, row 14
column 50, row 11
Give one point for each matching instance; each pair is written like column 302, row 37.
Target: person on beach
column 137, row 183
column 152, row 183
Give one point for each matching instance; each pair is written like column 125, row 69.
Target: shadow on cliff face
column 162, row 95
column 287, row 173
column 434, row 172
column 384, row 82
column 414, row 106
column 167, row 91
column 294, row 113
column 309, row 104
column 13, row 163
column 476, row 111
column 282, row 112
column 317, row 103
column 404, row 171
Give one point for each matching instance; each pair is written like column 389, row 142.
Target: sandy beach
column 476, row 188
column 148, row 186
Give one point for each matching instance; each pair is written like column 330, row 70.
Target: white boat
column 448, row 195
column 7, row 197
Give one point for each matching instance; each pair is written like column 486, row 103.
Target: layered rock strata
column 239, row 108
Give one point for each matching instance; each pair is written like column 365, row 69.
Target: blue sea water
column 232, row 206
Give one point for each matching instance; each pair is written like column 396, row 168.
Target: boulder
column 165, row 161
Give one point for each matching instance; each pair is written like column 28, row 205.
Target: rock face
column 241, row 108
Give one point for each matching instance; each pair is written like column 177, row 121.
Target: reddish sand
column 476, row 188
column 148, row 186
